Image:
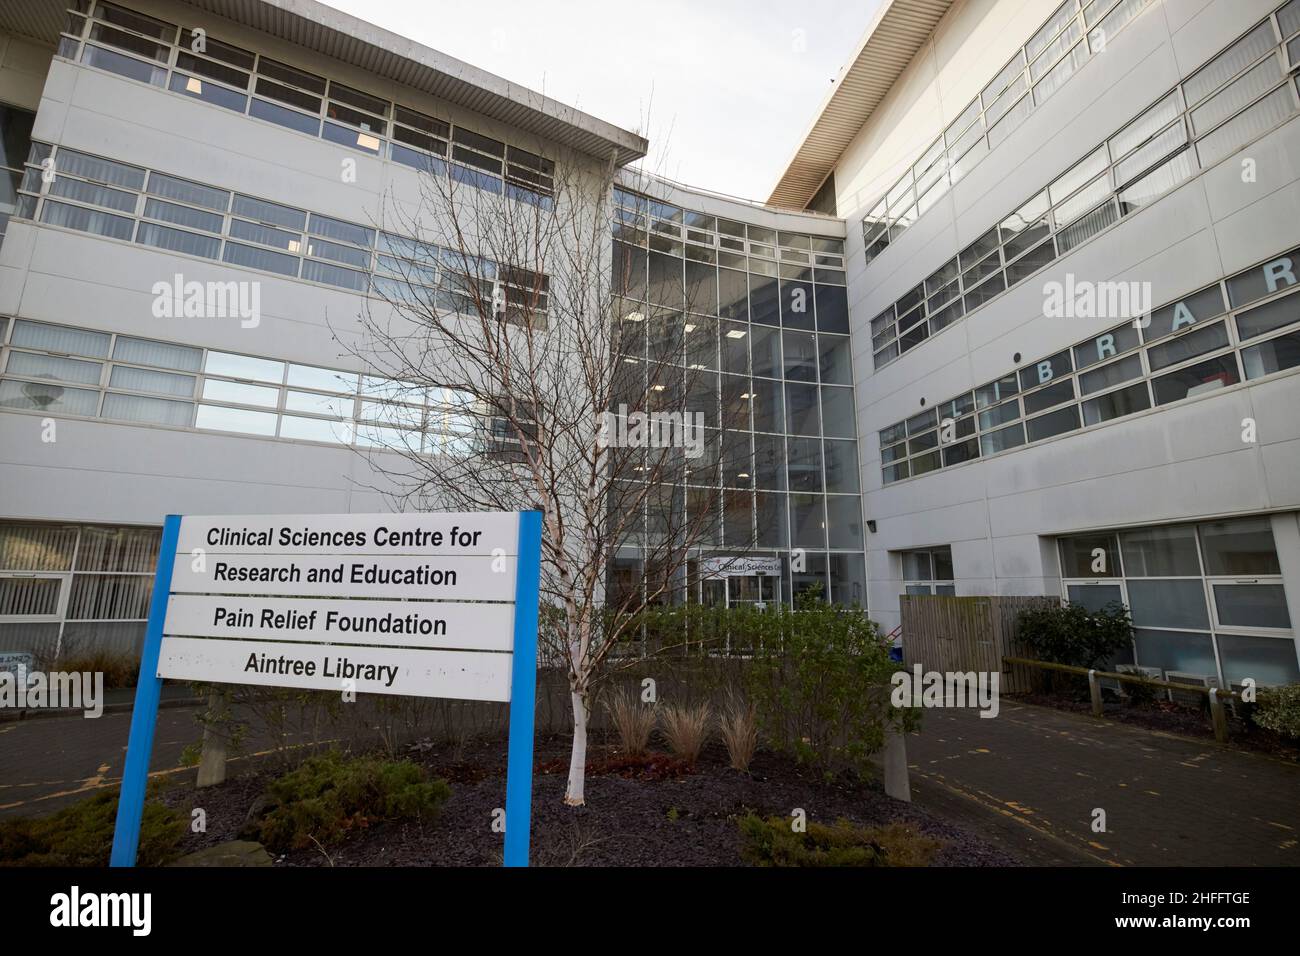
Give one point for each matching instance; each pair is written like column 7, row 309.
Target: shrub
column 330, row 795
column 739, row 729
column 119, row 670
column 686, row 728
column 772, row 842
column 82, row 835
column 819, row 680
column 1072, row 634
column 1278, row 709
column 633, row 721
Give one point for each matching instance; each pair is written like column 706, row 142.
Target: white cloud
column 725, row 85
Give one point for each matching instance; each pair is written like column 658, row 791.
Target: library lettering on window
column 1025, row 294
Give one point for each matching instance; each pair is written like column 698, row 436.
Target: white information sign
column 412, row 604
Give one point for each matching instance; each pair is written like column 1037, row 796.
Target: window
column 1235, row 98
column 927, row 571
column 75, row 590
column 1206, row 599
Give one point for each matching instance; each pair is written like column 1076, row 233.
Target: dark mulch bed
column 1172, row 718
column 639, row 812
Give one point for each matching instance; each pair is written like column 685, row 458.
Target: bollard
column 1218, row 716
column 897, row 784
column 212, row 762
column 1094, row 689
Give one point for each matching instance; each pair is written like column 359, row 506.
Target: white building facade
column 1072, row 236
column 198, row 206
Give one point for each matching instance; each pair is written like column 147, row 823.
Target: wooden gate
column 947, row 633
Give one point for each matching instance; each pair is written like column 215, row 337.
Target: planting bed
column 648, row 811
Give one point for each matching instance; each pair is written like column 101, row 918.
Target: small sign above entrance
column 739, row 567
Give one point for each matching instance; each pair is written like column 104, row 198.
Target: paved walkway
column 1031, row 778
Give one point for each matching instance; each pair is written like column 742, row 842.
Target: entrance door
column 761, row 591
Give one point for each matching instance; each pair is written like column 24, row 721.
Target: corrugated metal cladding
column 900, row 32
column 399, row 61
column 34, row 19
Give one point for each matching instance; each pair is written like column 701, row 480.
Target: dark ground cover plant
column 330, row 795
column 774, row 842
column 82, row 834
column 660, row 815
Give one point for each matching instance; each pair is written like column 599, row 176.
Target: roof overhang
column 897, row 33
column 335, row 34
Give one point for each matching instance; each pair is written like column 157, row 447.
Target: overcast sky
column 724, row 89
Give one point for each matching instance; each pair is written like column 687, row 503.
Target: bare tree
column 525, row 369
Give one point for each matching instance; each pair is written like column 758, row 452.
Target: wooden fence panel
column 969, row 633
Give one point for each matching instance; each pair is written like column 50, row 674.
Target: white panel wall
column 1180, row 463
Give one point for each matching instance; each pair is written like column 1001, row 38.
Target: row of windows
column 839, row 578
column 1183, row 349
column 1233, row 99
column 753, row 460
column 741, row 519
column 1034, row 73
column 139, row 47
column 1207, row 600
column 793, row 299
column 121, row 201
column 701, row 342
column 53, row 369
column 645, row 222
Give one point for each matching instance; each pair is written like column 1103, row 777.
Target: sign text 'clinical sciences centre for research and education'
column 425, row 605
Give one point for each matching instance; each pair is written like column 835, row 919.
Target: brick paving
column 1032, row 777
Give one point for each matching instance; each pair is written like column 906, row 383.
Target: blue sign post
column 471, row 679
column 144, row 715
column 523, row 691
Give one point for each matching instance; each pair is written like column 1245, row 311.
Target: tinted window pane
column 284, row 116
column 842, row 466
column 1157, row 603
column 1090, row 556
column 1240, row 547
column 1160, row 552
column 837, row 413
column 1053, row 423
column 1270, row 661
column 1275, row 355
column 1196, row 380
column 1266, row 318
column 1117, row 404
column 1251, row 605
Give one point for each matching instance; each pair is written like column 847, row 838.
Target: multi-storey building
column 1071, row 269
column 1018, row 318
column 265, row 144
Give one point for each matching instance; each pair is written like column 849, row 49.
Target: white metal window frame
column 1207, row 581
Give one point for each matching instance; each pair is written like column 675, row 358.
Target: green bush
column 330, row 795
column 772, row 842
column 1074, row 635
column 1278, row 709
column 82, row 835
column 819, row 679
